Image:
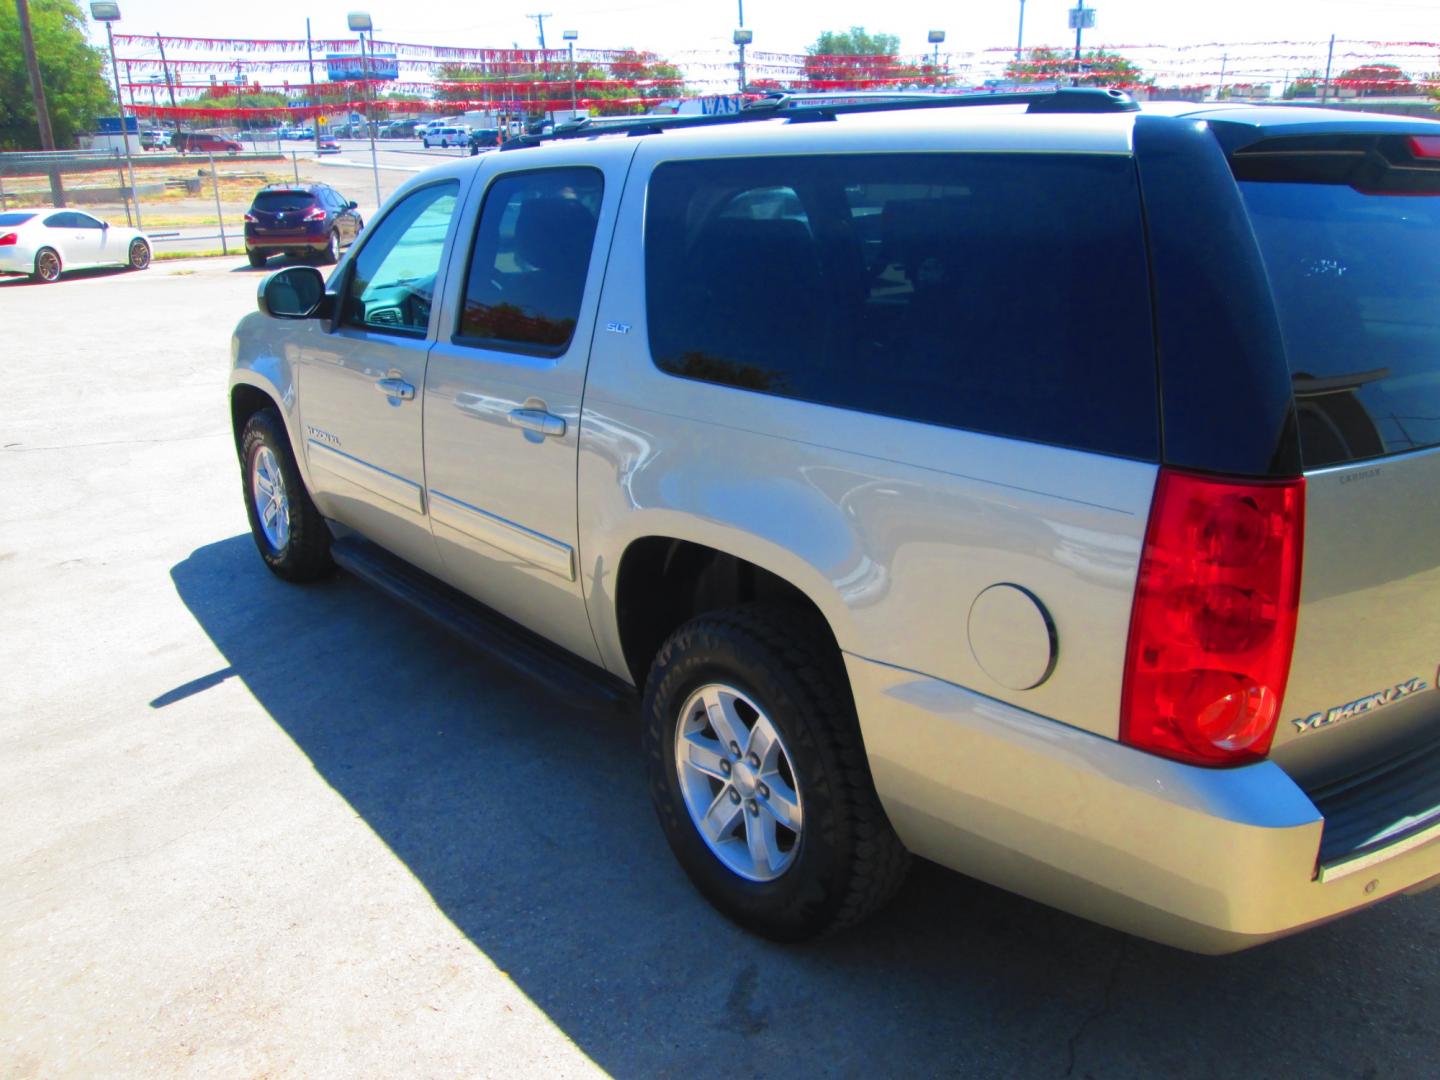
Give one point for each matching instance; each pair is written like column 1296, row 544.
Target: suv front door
column 360, row 384
column 503, row 388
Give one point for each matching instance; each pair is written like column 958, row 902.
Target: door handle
column 537, row 420
column 396, row 388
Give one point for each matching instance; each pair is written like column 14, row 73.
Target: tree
column 73, row 72
column 856, row 60
column 854, row 42
column 1376, row 80
column 1098, row 67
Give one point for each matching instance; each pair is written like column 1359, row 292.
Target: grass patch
column 171, row 256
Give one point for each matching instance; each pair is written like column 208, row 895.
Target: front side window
column 62, row 220
column 391, row 286
column 530, row 260
column 1000, row 293
column 85, row 221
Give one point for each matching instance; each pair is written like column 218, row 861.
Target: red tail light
column 251, row 218
column 10, row 239
column 1213, row 627
column 315, row 213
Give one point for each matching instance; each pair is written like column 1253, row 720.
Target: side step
column 525, row 653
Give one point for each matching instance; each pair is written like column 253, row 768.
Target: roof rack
column 798, row 108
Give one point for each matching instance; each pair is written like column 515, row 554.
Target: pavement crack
column 1104, row 1010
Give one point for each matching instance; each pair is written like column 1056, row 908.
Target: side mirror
column 297, row 292
column 352, row 205
column 104, row 224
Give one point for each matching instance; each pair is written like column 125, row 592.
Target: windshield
column 1356, row 280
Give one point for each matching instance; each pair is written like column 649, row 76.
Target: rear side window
column 1002, row 293
column 1356, row 281
column 276, row 202
column 530, row 260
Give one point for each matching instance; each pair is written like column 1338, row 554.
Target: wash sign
column 349, row 67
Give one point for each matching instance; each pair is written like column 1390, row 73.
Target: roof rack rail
column 799, row 107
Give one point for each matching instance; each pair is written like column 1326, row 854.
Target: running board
column 509, row 643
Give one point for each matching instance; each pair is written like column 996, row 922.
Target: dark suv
column 483, row 139
column 302, row 220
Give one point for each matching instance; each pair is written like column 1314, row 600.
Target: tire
column 257, row 258
column 331, row 252
column 139, row 255
column 838, row 860
column 47, row 267
column 295, row 541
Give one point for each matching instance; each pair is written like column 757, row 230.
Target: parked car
column 203, row 142
column 938, row 476
column 155, row 139
column 449, row 135
column 47, row 242
column 327, row 145
column 484, row 139
column 302, row 220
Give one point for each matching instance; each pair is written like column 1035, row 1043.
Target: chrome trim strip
column 1345, row 867
column 511, row 538
column 382, row 482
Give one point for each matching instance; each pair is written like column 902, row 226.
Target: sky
column 674, row 26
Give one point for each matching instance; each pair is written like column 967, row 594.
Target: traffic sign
column 1082, row 18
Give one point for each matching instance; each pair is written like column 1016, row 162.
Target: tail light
column 10, row 239
column 251, row 218
column 315, row 213
column 1213, row 627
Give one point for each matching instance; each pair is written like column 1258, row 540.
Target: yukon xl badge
column 1360, row 706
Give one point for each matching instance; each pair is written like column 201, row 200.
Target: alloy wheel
column 738, row 782
column 272, row 505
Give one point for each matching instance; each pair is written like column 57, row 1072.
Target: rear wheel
column 759, row 776
column 47, row 266
column 257, row 258
column 288, row 530
column 139, row 255
column 331, row 252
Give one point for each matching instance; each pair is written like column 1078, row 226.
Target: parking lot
column 259, row 829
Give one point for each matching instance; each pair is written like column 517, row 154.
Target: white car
column 44, row 243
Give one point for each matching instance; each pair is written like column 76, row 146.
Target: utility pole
column 1220, row 90
column 1329, row 59
column 1079, row 28
column 310, row 95
column 165, row 67
column 42, row 111
column 544, row 61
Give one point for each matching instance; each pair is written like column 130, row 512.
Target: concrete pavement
column 253, row 828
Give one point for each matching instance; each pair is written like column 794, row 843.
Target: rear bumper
column 288, row 241
column 17, row 259
column 1211, row 860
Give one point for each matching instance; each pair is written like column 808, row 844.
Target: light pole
column 109, row 13
column 1020, row 35
column 743, row 38
column 359, row 21
column 569, row 36
column 936, row 37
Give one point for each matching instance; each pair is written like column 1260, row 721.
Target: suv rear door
column 504, row 383
column 1354, row 266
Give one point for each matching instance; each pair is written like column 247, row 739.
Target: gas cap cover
column 1012, row 637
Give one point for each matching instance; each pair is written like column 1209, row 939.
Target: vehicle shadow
column 526, row 817
column 70, row 275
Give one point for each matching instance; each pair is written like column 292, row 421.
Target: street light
column 109, row 13
column 935, row 38
column 742, row 38
column 569, row 37
column 359, row 21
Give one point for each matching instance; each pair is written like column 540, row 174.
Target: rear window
column 279, row 201
column 1000, row 293
column 1356, row 281
column 15, row 219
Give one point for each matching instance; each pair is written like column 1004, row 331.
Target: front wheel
column 759, row 775
column 139, row 255
column 288, row 530
column 47, row 267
